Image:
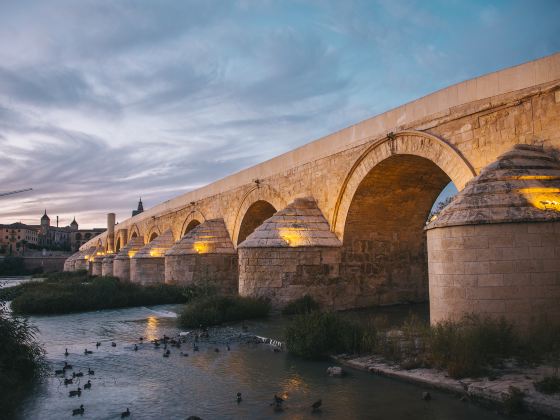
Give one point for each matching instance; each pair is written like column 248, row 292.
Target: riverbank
column 495, row 390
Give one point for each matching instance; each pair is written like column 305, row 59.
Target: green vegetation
column 209, row 310
column 548, row 385
column 303, row 305
column 14, row 266
column 470, row 347
column 21, row 360
column 317, row 335
column 76, row 292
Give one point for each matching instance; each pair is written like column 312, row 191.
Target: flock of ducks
column 166, row 342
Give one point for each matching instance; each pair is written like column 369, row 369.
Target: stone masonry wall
column 506, row 269
column 216, row 270
column 285, row 274
column 149, row 270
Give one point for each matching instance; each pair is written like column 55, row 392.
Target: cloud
column 103, row 101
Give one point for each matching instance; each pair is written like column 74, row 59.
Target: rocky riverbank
column 496, row 389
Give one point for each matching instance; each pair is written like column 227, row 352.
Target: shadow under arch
column 257, row 193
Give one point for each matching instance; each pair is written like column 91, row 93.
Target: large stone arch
column 194, row 215
column 409, row 142
column 259, row 192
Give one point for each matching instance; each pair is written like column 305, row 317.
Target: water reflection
column 151, row 330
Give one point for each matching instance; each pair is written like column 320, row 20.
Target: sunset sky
column 105, row 101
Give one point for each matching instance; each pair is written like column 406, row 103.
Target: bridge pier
column 292, row 254
column 96, row 262
column 494, row 251
column 82, row 260
column 70, row 262
column 121, row 262
column 107, row 265
column 204, row 257
column 147, row 266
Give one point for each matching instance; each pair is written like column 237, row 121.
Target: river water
column 206, row 382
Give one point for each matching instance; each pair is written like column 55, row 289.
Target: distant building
column 140, row 208
column 17, row 237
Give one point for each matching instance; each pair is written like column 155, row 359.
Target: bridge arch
column 118, row 244
column 257, row 205
column 409, row 142
column 134, row 232
column 382, row 210
column 153, row 233
column 193, row 219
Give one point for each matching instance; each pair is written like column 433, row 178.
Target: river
column 206, row 382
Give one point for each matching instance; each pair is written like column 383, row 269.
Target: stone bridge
column 344, row 218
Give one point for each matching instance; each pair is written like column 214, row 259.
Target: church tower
column 74, row 224
column 45, row 223
column 140, row 208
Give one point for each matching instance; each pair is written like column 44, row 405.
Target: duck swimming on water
column 125, row 413
column 78, row 411
column 66, row 352
column 88, row 385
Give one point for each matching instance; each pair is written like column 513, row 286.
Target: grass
column 317, row 335
column 210, row 310
column 470, row 347
column 71, row 292
column 303, row 305
column 21, row 360
column 548, row 385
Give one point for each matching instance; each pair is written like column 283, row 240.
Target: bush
column 468, row 347
column 21, row 360
column 548, row 385
column 12, row 266
column 303, row 305
column 75, row 292
column 317, row 335
column 214, row 310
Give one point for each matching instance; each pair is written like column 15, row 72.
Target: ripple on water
column 206, row 382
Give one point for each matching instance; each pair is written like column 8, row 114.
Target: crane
column 15, row 192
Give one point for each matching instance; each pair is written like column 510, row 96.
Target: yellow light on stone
column 543, row 198
column 156, row 252
column 292, row 236
column 131, row 254
column 201, row 247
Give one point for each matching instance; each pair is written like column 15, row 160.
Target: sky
column 105, row 101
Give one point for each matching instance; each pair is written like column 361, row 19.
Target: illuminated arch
column 259, row 192
column 194, row 218
column 133, row 232
column 153, row 233
column 410, row 142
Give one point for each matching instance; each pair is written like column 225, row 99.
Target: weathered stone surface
column 492, row 251
column 121, row 263
column 82, row 260
column 204, row 257
column 523, row 185
column 292, row 254
column 147, row 266
column 107, row 265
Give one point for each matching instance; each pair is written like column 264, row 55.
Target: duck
column 76, row 392
column 66, row 352
column 78, row 411
column 86, row 352
column 278, row 400
column 97, row 344
column 90, row 372
column 68, row 381
column 113, row 344
column 66, row 366
column 239, row 399
column 88, row 385
column 217, row 350
column 79, row 374
column 166, row 353
column 59, row 372
column 227, row 346
column 125, row 413
column 135, row 347
column 141, row 339
column 317, row 404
